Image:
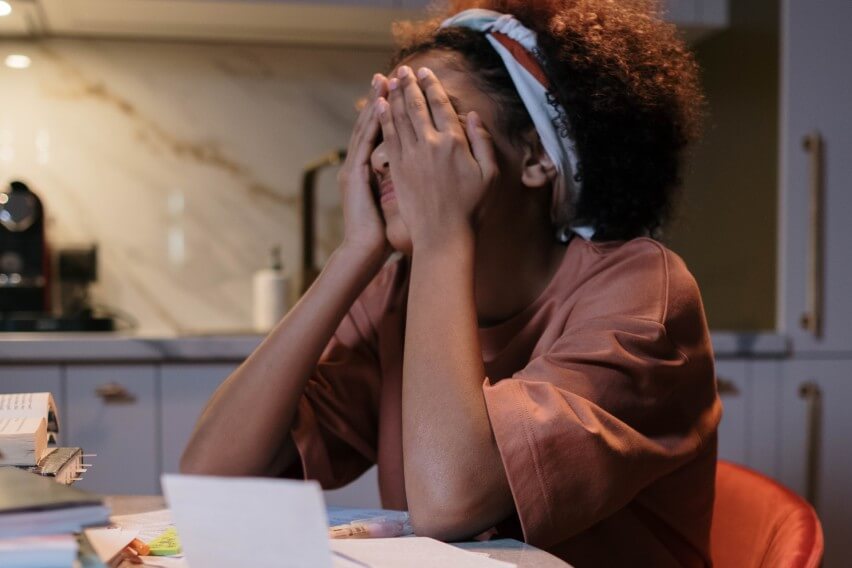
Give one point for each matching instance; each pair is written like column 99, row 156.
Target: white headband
column 518, row 48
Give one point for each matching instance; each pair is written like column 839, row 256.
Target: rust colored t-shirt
column 601, row 395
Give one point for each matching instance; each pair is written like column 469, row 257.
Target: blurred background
column 164, row 148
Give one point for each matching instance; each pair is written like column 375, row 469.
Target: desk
column 523, row 555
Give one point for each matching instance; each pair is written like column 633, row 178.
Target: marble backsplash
column 182, row 162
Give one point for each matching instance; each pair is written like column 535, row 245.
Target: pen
column 375, row 527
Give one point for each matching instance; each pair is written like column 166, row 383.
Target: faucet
column 309, row 178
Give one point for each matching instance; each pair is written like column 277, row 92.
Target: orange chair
column 757, row 522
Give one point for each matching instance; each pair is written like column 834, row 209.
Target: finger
column 415, row 103
column 445, row 116
column 389, row 132
column 481, row 145
column 404, row 129
column 367, row 125
column 365, row 143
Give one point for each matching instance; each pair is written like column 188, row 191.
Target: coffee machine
column 26, row 274
column 24, row 260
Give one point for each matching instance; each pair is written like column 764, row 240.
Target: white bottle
column 271, row 293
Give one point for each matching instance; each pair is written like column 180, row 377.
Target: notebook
column 34, row 505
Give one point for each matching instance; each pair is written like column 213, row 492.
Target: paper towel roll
column 271, row 293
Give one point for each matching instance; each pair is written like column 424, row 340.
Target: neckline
column 494, row 331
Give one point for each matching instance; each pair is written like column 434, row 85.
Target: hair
column 627, row 82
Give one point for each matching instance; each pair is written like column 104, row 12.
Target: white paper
column 149, row 525
column 25, row 404
column 108, row 542
column 226, row 521
column 411, row 552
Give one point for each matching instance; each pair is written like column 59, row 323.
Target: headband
column 517, row 46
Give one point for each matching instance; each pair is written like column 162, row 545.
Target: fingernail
column 382, row 105
column 393, row 84
column 403, row 71
column 422, row 72
column 375, row 82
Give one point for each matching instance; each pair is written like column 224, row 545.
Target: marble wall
column 181, row 161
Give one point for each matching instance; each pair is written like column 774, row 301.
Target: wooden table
column 509, row 550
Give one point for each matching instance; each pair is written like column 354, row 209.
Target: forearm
column 244, row 430
column 455, row 482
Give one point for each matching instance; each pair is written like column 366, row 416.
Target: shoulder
column 638, row 278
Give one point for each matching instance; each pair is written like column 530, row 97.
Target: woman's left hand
column 441, row 170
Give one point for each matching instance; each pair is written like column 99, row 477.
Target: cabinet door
column 816, row 82
column 186, row 389
column 731, row 380
column 816, row 460
column 112, row 412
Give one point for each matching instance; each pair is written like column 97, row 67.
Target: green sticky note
column 167, row 544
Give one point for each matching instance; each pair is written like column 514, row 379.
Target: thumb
column 482, row 145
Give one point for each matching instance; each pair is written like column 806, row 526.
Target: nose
column 379, row 161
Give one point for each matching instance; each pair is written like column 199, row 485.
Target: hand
column 441, row 171
column 364, row 229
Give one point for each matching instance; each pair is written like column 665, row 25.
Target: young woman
column 533, row 364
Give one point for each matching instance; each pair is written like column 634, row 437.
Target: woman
column 533, row 364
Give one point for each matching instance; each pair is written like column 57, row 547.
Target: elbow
column 449, row 519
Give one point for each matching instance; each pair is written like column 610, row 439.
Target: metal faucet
column 309, row 177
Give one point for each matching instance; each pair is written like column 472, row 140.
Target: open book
column 28, row 421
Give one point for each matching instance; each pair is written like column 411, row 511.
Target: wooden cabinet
column 112, row 411
column 185, row 389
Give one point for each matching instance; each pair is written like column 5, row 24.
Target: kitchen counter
column 120, row 346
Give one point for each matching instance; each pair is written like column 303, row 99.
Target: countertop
column 130, row 347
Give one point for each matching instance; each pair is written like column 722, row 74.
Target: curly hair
column 626, row 80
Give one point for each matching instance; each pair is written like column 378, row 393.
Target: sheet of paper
column 222, row 521
column 411, row 552
column 149, row 525
column 108, row 542
column 24, row 404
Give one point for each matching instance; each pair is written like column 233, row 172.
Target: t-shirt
column 601, row 395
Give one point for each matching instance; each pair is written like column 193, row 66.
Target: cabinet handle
column 726, row 387
column 812, row 395
column 114, row 393
column 811, row 320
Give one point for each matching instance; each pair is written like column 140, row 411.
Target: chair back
column 757, row 522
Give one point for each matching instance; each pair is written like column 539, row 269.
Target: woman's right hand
column 364, row 229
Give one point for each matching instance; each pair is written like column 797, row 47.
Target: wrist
column 366, row 259
column 459, row 238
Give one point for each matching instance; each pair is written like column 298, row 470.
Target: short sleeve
column 336, row 426
column 615, row 404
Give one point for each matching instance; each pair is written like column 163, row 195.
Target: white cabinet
column 816, row 455
column 112, row 412
column 330, row 22
column 732, row 382
column 816, row 264
column 186, row 388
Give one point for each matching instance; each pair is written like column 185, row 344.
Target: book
column 53, row 551
column 32, row 505
column 28, row 422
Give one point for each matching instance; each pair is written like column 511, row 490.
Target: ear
column 537, row 169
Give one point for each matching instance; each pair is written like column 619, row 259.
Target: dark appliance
column 24, row 262
column 25, row 272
